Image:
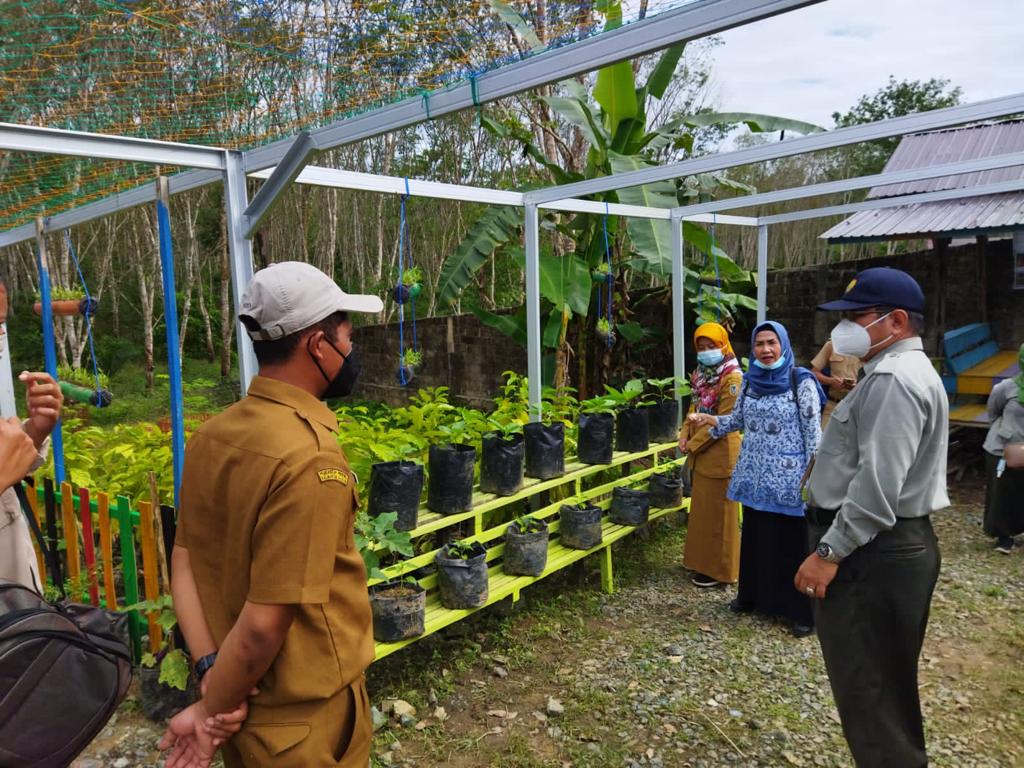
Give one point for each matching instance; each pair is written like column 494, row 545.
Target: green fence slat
column 129, row 571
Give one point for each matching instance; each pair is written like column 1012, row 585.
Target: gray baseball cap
column 292, row 295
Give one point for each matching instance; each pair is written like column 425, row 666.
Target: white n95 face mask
column 849, row 338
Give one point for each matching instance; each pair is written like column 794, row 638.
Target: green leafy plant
column 604, row 329
column 174, row 667
column 600, row 404
column 63, row 294
column 529, row 524
column 412, row 276
column 456, row 433
column 462, row 550
column 377, row 538
column 663, row 389
column 82, row 377
column 504, row 429
column 412, row 358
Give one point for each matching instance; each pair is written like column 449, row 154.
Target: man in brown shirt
column 269, row 586
column 840, row 379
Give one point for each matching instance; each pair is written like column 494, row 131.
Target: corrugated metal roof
column 991, row 212
column 976, row 215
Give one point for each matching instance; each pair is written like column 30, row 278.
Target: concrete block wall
column 469, row 357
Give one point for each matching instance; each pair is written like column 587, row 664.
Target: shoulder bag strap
column 52, row 561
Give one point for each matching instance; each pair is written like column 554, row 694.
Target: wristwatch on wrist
column 826, row 553
column 204, row 664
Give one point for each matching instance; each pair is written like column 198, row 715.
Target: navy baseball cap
column 879, row 287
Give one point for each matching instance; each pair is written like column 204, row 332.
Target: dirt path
column 661, row 674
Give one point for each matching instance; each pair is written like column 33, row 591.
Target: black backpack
column 64, row 669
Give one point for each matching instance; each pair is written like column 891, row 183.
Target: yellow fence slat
column 106, row 550
column 33, row 502
column 67, row 509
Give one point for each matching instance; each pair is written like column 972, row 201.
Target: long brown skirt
column 713, row 531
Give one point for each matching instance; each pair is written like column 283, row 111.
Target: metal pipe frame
column 56, row 141
column 240, row 252
column 762, row 273
column 266, row 199
column 677, row 25
column 992, row 162
column 678, row 310
column 531, row 242
column 882, row 129
column 395, row 185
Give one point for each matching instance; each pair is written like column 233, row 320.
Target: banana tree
column 612, row 118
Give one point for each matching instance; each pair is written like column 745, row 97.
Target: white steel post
column 240, row 251
column 678, row 308
column 762, row 273
column 8, row 403
column 533, row 337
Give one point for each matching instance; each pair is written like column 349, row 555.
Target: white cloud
column 812, row 62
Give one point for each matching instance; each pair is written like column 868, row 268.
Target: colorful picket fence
column 88, row 526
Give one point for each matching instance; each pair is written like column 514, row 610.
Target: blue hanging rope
column 408, row 250
column 88, row 317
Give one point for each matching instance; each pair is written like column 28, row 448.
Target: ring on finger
column 809, row 589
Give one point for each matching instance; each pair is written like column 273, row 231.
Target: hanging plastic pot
column 501, row 464
column 666, row 490
column 462, row 582
column 450, row 489
column 579, row 527
column 545, row 450
column 70, row 307
column 595, row 438
column 414, row 291
column 401, row 294
column 629, row 507
column 663, row 421
column 396, row 486
column 631, row 434
column 526, row 554
column 405, row 374
column 398, row 611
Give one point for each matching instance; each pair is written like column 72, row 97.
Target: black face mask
column 342, row 384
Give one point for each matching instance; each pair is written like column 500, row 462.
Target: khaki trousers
column 334, row 732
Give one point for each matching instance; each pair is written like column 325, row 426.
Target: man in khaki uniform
column 269, row 586
column 23, row 448
column 840, row 379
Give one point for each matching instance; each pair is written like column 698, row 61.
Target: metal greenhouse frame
column 285, row 162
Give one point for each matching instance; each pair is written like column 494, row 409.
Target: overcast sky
column 812, row 62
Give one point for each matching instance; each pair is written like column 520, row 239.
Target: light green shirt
column 883, row 453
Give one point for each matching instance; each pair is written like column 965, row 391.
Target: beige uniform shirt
column 17, row 556
column 840, row 366
column 267, row 512
column 883, row 454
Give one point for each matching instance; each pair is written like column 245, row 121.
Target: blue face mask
column 774, row 366
column 710, row 357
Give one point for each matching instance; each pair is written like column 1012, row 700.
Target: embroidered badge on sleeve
column 339, row 475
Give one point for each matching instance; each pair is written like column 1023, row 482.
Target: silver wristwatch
column 825, row 552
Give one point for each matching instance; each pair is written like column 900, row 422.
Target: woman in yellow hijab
column 713, row 534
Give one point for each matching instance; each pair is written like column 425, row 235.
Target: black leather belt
column 819, row 516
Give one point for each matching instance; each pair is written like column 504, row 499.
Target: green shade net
column 235, row 74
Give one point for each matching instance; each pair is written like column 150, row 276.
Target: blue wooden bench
column 974, row 364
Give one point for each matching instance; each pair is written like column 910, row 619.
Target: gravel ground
column 661, row 674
